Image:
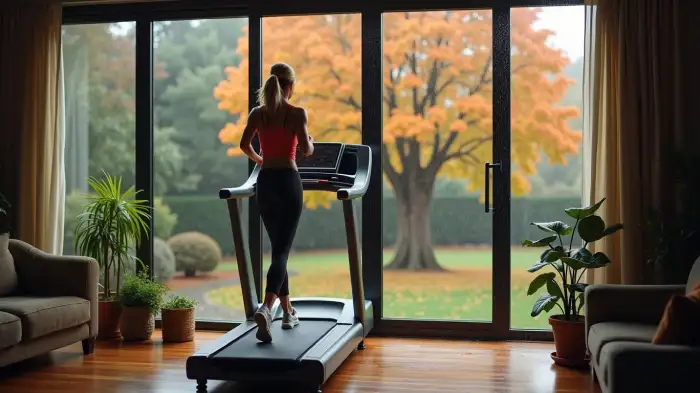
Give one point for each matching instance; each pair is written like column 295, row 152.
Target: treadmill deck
column 287, row 344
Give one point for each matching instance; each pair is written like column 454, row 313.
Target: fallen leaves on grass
column 463, row 294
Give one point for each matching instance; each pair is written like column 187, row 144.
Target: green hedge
column 454, row 221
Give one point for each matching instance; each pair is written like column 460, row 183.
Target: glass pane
column 326, row 54
column 200, row 99
column 437, row 136
column 100, row 117
column 546, row 136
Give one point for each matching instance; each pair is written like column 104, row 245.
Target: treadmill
column 329, row 329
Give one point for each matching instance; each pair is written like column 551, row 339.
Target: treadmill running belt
column 287, row 344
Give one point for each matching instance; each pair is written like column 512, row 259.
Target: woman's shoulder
column 297, row 111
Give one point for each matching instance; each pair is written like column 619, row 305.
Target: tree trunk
column 190, row 272
column 414, row 250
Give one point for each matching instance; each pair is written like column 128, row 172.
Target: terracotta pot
column 136, row 323
column 178, row 324
column 108, row 315
column 569, row 341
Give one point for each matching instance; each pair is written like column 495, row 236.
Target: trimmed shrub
column 163, row 261
column 195, row 252
column 163, row 264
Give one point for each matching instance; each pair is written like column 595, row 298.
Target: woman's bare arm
column 249, row 131
column 304, row 139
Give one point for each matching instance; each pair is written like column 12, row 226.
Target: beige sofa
column 621, row 321
column 53, row 303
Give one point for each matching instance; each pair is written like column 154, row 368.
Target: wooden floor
column 387, row 365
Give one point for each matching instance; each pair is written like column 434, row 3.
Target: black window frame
column 146, row 13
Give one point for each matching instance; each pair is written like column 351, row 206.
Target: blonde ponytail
column 272, row 93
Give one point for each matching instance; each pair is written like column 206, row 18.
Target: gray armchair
column 621, row 321
column 54, row 304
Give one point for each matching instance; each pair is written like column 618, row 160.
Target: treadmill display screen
column 326, row 156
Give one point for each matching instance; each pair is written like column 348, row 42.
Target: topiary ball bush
column 195, row 252
column 163, row 264
column 163, row 260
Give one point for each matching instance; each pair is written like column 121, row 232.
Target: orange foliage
column 438, row 89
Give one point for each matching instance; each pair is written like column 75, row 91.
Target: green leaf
column 559, row 266
column 578, row 287
column 554, row 289
column 599, row 260
column 612, row 229
column 544, row 303
column 537, row 266
column 557, row 227
column 591, row 228
column 539, row 243
column 539, row 282
column 553, row 255
column 581, row 254
column 579, row 213
column 574, row 263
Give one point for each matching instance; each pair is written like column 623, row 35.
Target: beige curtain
column 31, row 39
column 631, row 96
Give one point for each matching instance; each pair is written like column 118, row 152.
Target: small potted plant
column 112, row 223
column 564, row 287
column 141, row 299
column 178, row 319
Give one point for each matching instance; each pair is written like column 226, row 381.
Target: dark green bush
column 195, row 252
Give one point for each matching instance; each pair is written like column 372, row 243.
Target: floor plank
column 388, row 365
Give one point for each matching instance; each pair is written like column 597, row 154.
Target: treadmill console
column 333, row 167
column 326, row 158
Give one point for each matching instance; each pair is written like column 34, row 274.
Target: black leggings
column 280, row 200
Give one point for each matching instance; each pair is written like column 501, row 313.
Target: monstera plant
column 567, row 261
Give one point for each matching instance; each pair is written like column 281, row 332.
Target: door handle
column 487, row 185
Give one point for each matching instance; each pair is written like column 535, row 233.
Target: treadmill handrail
column 247, row 190
column 359, row 187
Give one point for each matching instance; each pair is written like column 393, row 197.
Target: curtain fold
column 31, row 40
column 631, row 120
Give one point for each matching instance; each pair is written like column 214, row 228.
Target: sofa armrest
column 627, row 303
column 645, row 367
column 43, row 274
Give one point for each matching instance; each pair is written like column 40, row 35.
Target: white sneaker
column 263, row 318
column 290, row 320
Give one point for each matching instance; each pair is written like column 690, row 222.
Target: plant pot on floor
column 569, row 341
column 178, row 324
column 136, row 323
column 109, row 313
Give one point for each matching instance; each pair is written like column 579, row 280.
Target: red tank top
column 276, row 142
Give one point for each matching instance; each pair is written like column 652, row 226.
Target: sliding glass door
column 471, row 112
column 437, row 143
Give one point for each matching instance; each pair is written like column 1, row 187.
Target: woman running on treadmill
column 280, row 127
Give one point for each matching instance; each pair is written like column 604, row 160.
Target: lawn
column 461, row 293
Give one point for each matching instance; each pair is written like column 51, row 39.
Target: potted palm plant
column 178, row 319
column 112, row 223
column 565, row 290
column 141, row 299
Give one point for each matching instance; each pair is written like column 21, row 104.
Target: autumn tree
column 437, row 96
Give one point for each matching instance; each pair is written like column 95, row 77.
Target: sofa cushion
column 8, row 275
column 10, row 330
column 45, row 315
column 605, row 332
column 680, row 324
